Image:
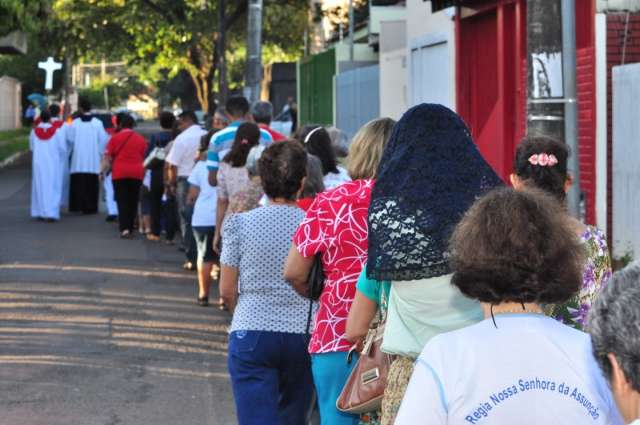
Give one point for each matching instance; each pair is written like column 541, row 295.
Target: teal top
column 371, row 288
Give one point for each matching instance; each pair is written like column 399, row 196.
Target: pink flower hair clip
column 543, row 160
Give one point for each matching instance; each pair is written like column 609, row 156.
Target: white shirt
column 529, row 370
column 204, row 211
column 184, row 152
column 88, row 140
column 333, row 180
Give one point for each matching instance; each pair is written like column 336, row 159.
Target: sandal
column 203, row 302
column 153, row 238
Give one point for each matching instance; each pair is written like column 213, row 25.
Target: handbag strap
column 308, row 331
column 123, row 144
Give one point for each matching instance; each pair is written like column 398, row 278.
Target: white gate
column 626, row 160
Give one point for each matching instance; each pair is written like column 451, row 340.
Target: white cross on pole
column 50, row 66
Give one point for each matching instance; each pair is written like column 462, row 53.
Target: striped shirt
column 223, row 139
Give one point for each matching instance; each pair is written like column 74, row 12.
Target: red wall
column 490, row 95
column 615, row 46
column 492, row 84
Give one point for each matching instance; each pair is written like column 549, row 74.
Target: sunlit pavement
column 98, row 330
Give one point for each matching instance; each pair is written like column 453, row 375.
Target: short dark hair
column 204, row 140
column 517, row 246
column 167, row 119
column 190, row 115
column 262, row 112
column 45, row 116
column 54, row 109
column 551, row 179
column 317, row 141
column 85, row 104
column 247, row 136
column 125, row 120
column 314, row 183
column 282, row 167
column 237, row 106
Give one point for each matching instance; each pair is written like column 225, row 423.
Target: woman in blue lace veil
column 431, row 172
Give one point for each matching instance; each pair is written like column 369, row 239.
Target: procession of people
column 407, row 283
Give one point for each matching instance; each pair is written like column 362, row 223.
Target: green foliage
column 117, row 91
column 623, row 261
column 13, row 141
column 166, row 37
column 25, row 15
column 159, row 39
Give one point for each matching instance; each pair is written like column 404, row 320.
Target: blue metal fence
column 357, row 98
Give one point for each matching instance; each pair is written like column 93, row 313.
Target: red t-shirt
column 336, row 226
column 277, row 137
column 305, row 203
column 127, row 148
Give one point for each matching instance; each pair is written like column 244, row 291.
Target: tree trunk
column 223, row 87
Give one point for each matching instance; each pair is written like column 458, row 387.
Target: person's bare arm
column 105, row 163
column 229, row 286
column 172, row 174
column 192, row 195
column 221, row 210
column 213, row 177
column 362, row 312
column 296, row 270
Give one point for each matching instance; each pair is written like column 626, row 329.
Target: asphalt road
column 98, row 330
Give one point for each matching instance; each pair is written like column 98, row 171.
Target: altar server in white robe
column 56, row 121
column 49, row 147
column 88, row 139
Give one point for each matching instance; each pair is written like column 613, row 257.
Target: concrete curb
column 16, row 157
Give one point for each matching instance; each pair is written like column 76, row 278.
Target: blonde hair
column 367, row 146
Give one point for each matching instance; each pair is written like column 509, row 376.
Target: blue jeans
column 271, row 377
column 185, row 211
column 330, row 373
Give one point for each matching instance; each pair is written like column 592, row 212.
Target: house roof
column 14, row 43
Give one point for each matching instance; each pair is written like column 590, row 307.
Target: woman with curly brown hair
column 512, row 252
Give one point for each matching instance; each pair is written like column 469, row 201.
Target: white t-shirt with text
column 529, row 370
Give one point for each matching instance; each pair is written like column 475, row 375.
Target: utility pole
column 68, row 64
column 552, row 101
column 253, row 75
column 571, row 105
column 223, row 88
column 351, row 29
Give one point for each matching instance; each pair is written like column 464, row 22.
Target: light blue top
column 421, row 309
column 524, row 369
column 257, row 244
column 223, row 139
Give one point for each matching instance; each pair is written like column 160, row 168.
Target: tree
column 22, row 15
column 166, row 37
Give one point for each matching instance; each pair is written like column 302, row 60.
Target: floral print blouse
column 597, row 272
